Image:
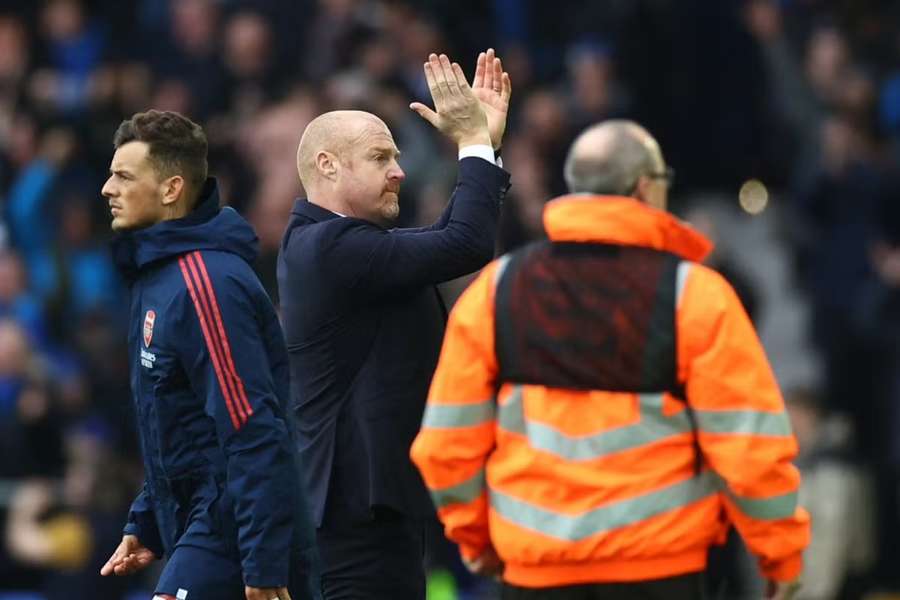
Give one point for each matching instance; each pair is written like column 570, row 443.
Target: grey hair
column 616, row 168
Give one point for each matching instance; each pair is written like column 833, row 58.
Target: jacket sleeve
column 365, row 258
column 142, row 523
column 457, row 434
column 224, row 355
column 441, row 223
column 744, row 432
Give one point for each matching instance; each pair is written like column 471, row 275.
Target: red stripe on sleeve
column 214, row 356
column 217, row 334
column 224, row 338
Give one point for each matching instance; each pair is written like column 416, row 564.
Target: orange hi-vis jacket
column 578, row 486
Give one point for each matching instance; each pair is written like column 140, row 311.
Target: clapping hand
column 493, row 88
column 458, row 113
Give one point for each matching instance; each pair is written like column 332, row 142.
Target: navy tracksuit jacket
column 210, row 382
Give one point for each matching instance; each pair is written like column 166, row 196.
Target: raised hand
column 458, row 113
column 493, row 88
column 130, row 557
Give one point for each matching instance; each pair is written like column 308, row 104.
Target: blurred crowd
column 800, row 96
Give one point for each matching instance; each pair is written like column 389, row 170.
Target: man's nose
column 397, row 174
column 107, row 190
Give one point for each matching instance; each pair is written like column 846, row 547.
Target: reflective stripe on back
column 573, row 528
column 651, row 427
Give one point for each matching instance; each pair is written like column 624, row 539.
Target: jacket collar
column 206, row 227
column 313, row 212
column 623, row 221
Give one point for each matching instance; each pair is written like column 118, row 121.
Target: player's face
column 133, row 190
column 371, row 177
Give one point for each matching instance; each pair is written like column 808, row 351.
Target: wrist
column 476, row 139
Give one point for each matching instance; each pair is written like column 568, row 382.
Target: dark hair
column 178, row 146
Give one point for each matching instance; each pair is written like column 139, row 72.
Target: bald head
column 348, row 163
column 610, row 157
column 336, row 132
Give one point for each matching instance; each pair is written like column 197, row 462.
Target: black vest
column 588, row 316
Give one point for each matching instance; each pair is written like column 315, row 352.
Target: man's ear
column 326, row 164
column 172, row 189
column 642, row 188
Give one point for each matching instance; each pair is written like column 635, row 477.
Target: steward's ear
column 642, row 188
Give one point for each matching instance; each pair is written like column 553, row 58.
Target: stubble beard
column 391, row 209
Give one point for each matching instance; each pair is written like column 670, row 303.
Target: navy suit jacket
column 364, row 324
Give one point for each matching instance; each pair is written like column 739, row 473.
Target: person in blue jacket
column 223, row 498
column 364, row 320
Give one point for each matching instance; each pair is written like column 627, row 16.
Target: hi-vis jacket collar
column 622, row 220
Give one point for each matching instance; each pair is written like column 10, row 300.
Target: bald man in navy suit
column 364, row 320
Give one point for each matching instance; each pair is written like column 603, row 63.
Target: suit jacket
column 364, row 324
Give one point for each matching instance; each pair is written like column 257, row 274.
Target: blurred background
column 780, row 117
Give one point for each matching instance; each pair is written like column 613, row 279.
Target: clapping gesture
column 493, row 88
column 457, row 112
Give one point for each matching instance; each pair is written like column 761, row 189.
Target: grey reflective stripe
column 766, row 509
column 461, row 493
column 502, row 262
column 681, row 276
column 652, row 427
column 605, row 518
column 511, row 415
column 458, row 415
column 748, row 422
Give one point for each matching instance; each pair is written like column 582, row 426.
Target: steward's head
column 347, row 162
column 618, row 158
column 158, row 169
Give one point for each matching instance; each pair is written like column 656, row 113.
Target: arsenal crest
column 149, row 319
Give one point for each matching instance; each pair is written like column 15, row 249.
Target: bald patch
column 600, row 141
column 336, row 132
column 608, row 158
